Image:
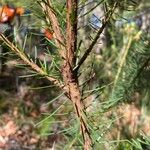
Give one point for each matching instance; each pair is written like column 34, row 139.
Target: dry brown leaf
column 33, row 140
column 2, row 142
column 10, row 128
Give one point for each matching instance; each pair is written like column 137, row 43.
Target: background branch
column 88, row 51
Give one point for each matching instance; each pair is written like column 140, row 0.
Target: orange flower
column 20, row 11
column 6, row 13
column 48, row 34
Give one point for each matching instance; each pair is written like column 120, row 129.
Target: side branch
column 51, row 17
column 88, row 51
column 30, row 63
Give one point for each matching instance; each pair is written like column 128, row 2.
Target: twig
column 30, row 63
column 123, row 59
column 91, row 9
column 51, row 17
column 88, row 51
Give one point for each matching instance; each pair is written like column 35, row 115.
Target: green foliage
column 142, row 143
column 46, row 127
column 133, row 64
column 127, row 54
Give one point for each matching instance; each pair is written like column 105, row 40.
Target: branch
column 88, row 51
column 51, row 17
column 71, row 41
column 31, row 64
column 123, row 58
column 69, row 76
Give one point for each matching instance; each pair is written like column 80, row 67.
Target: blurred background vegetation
column 117, row 76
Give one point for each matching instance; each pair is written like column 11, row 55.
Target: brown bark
column 74, row 93
column 70, row 77
column 71, row 31
column 79, row 107
column 51, row 17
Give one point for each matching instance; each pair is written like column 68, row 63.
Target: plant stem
column 70, row 77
